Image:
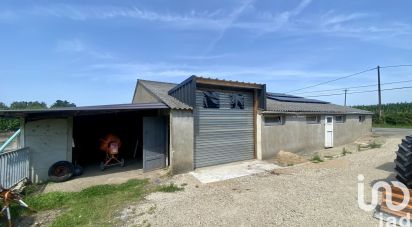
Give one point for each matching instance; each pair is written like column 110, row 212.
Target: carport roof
column 83, row 110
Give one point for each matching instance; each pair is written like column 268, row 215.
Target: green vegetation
column 394, row 115
column 169, row 188
column 9, row 125
column 345, row 151
column 94, row 206
column 316, row 159
column 374, row 144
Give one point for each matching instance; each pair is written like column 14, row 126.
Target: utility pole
column 379, row 93
column 346, row 90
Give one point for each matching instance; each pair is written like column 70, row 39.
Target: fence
column 14, row 167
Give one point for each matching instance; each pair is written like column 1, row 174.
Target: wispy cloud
column 75, row 46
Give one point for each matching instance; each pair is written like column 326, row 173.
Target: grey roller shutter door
column 223, row 135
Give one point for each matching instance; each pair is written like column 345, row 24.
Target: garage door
column 223, row 134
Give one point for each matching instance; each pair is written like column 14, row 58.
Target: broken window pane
column 211, row 99
column 237, row 101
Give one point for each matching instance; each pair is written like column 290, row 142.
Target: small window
column 237, row 101
column 361, row 118
column 313, row 119
column 340, row 119
column 274, row 120
column 211, row 99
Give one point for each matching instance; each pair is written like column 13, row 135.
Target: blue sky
column 92, row 52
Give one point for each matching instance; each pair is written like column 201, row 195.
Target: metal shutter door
column 223, row 135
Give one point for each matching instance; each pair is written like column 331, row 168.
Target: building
column 199, row 122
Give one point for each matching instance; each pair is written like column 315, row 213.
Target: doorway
column 328, row 131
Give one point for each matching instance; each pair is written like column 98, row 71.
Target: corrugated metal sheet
column 223, row 135
column 185, row 92
column 14, row 167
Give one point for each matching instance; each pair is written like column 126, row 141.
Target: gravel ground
column 303, row 195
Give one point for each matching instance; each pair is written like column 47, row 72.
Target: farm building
column 199, row 122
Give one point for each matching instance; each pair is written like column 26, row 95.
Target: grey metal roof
column 275, row 106
column 83, row 110
column 161, row 90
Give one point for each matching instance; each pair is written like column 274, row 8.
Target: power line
column 338, row 89
column 339, row 78
column 344, row 77
column 395, row 66
column 358, row 92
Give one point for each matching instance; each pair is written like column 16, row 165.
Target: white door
column 328, row 131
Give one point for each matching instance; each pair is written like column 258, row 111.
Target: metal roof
column 69, row 111
column 161, row 91
column 274, row 106
column 291, row 98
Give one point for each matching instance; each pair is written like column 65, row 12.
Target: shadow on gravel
column 388, row 167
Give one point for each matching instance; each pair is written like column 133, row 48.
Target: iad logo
column 375, row 194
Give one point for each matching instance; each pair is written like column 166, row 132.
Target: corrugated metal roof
column 297, row 107
column 83, row 109
column 161, row 91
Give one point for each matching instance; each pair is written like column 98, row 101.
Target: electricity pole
column 345, row 95
column 379, row 92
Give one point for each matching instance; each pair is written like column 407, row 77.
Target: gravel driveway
column 304, row 195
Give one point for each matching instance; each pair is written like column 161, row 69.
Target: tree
column 60, row 103
column 28, row 105
column 3, row 106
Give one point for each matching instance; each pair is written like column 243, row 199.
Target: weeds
column 345, row 151
column 169, row 188
column 316, row 159
column 374, row 144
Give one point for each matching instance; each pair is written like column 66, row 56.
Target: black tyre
column 61, row 171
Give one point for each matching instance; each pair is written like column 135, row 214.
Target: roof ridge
column 156, row 81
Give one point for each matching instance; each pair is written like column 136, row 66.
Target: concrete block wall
column 300, row 137
column 49, row 140
column 181, row 141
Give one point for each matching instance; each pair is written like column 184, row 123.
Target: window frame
column 273, row 123
column 361, row 118
column 317, row 121
column 205, row 99
column 340, row 121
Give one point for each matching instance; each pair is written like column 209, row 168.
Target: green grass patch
column 94, row 206
column 345, row 151
column 374, row 144
column 316, row 159
column 170, row 188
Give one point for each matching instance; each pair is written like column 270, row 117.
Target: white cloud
column 76, row 46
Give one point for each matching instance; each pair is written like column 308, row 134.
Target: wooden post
column 346, row 90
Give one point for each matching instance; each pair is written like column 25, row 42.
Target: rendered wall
column 49, row 141
column 142, row 95
column 181, row 141
column 300, row 137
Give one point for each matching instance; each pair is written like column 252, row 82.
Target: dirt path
column 304, row 195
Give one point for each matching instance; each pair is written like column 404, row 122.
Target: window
column 274, row 120
column 361, row 118
column 340, row 119
column 313, row 119
column 237, row 101
column 211, row 99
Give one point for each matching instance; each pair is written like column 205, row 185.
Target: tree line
column 394, row 114
column 8, row 124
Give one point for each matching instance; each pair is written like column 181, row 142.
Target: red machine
column 111, row 144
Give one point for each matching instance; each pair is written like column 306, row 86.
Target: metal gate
column 14, row 167
column 154, row 143
column 223, row 135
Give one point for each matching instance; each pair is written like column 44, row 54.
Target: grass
column 374, row 144
column 345, row 151
column 94, row 206
column 390, row 126
column 316, row 159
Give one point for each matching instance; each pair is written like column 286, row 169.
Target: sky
column 92, row 52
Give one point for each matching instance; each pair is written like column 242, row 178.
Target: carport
column 73, row 134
